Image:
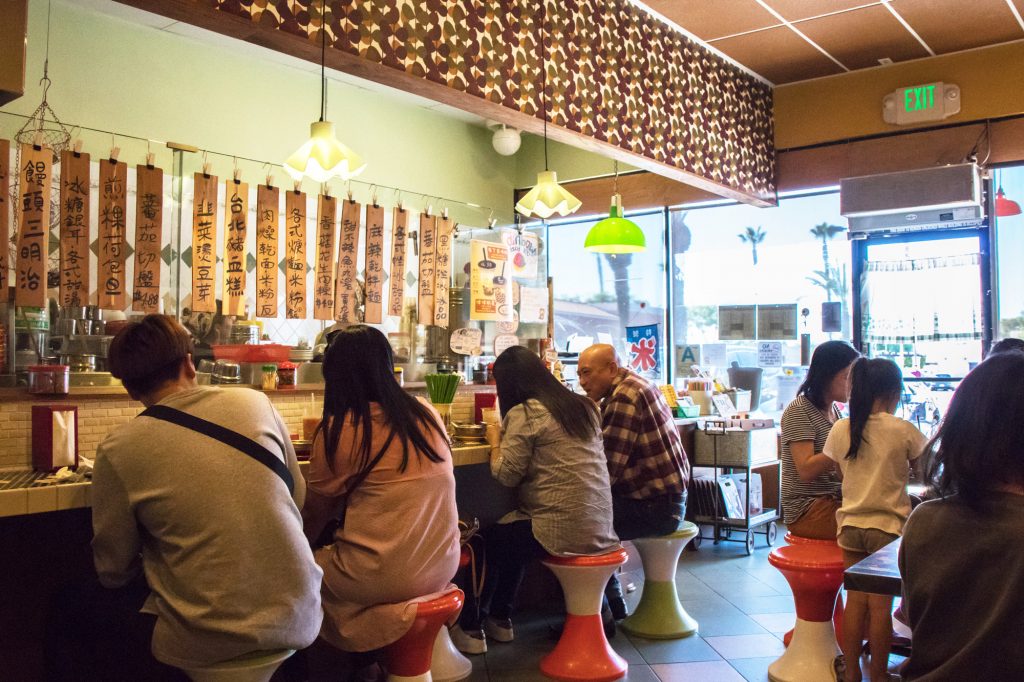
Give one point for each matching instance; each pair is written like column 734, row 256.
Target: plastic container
column 49, row 379
column 247, row 352
column 269, row 377
column 285, row 374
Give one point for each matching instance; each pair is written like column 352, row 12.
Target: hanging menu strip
column 348, row 250
column 398, row 236
column 74, row 229
column 110, row 289
column 295, row 255
column 374, row 265
column 149, row 233
column 323, row 292
column 428, row 225
column 5, row 212
column 267, row 215
column 204, row 243
column 236, row 216
column 442, row 271
column 34, row 176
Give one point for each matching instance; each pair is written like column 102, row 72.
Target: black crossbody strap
column 226, row 436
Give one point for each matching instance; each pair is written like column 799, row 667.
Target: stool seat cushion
column 686, row 531
column 791, row 539
column 613, row 558
column 807, row 557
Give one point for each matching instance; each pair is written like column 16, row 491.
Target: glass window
column 1009, row 246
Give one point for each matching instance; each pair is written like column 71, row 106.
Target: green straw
column 441, row 387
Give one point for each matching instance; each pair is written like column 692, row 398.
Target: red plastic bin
column 250, row 352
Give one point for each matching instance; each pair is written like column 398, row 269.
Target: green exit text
column 920, row 98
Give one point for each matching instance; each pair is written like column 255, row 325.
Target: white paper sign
column 510, row 326
column 502, row 342
column 714, row 355
column 769, row 353
column 724, row 405
column 523, row 250
column 466, row 341
column 533, row 304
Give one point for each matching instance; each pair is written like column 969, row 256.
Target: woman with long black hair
column 550, row 448
column 382, row 461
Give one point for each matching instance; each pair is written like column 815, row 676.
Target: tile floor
column 743, row 606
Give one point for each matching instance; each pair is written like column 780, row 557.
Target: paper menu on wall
column 523, row 251
column 533, row 304
column 490, row 291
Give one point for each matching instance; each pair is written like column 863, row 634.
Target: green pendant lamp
column 615, row 234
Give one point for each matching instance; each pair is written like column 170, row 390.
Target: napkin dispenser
column 54, row 437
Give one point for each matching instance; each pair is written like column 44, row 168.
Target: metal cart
column 724, row 526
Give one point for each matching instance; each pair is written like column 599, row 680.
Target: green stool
column 659, row 615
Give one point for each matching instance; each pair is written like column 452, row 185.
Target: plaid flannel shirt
column 645, row 455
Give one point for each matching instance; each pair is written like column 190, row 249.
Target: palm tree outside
column 825, row 232
column 753, row 237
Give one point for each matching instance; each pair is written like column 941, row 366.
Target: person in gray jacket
column 216, row 532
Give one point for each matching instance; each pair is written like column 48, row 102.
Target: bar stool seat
column 814, row 573
column 409, row 658
column 258, row 666
column 837, row 613
column 583, row 653
column 659, row 615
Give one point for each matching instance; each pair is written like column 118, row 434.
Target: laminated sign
column 348, row 256
column 113, row 247
column 295, row 254
column 149, row 217
column 490, row 293
column 374, row 265
column 75, row 180
column 34, row 176
column 267, row 220
column 236, row 217
column 204, row 243
column 323, row 288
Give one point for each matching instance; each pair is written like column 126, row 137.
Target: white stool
column 255, row 667
column 447, row 664
column 659, row 615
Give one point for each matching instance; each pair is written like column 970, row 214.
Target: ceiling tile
column 778, row 54
column 859, row 39
column 710, row 19
column 796, row 10
column 951, row 25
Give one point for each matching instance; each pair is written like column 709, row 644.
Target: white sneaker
column 499, row 630
column 466, row 642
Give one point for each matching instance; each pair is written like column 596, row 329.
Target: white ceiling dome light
column 506, row 140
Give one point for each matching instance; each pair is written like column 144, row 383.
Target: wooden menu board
column 204, row 243
column 374, row 264
column 267, row 216
column 295, row 255
column 5, row 211
column 75, row 180
column 34, row 177
column 348, row 250
column 427, row 281
column 323, row 289
column 113, row 246
column 398, row 235
column 149, row 237
column 236, row 217
column 442, row 270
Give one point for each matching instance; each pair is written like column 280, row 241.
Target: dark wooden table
column 878, row 574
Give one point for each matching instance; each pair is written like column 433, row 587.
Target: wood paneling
column 711, row 19
column 778, row 54
column 859, row 39
column 951, row 25
column 797, row 10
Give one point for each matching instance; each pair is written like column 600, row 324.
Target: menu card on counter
column 149, row 218
column 204, row 243
column 113, row 234
column 236, row 217
column 34, row 176
column 5, row 208
column 75, row 196
column 295, row 255
column 268, row 205
column 374, row 264
column 442, row 270
column 345, row 291
column 490, row 293
column 427, row 280
column 399, row 232
column 323, row 289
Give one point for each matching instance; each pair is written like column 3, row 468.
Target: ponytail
column 871, row 380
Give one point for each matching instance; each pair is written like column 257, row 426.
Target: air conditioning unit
column 944, row 197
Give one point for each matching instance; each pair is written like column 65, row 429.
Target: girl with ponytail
column 873, row 450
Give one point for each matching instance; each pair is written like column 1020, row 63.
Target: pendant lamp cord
column 615, row 180
column 544, row 76
column 323, row 59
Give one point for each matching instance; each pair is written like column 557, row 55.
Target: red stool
column 408, row 659
column 837, row 614
column 814, row 573
column 582, row 653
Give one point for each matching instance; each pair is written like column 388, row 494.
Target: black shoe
column 608, row 621
column 618, row 607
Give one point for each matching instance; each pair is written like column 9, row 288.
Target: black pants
column 510, row 547
column 643, row 519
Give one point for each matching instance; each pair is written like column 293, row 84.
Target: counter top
column 27, row 492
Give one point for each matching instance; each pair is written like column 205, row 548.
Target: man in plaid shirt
column 647, row 465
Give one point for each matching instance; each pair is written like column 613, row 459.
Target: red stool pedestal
column 408, row 659
column 815, row 574
column 837, row 613
column 583, row 653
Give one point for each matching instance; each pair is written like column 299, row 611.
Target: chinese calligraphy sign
column 34, row 176
column 442, row 270
column 428, row 226
column 236, row 216
column 267, row 217
column 204, row 243
column 348, row 255
column 74, row 229
column 110, row 287
column 149, row 218
column 295, row 255
column 399, row 233
column 374, row 264
column 323, row 288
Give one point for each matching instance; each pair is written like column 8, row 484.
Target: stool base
column 659, row 615
column 810, row 654
column 447, row 664
column 577, row 658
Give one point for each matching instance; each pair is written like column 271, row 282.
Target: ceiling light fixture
column 506, row 140
column 323, row 156
column 547, row 197
column 615, row 234
column 1005, row 207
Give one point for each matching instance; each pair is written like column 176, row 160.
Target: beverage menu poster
column 490, row 294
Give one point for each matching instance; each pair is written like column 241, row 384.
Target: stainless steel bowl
column 79, row 362
column 225, row 372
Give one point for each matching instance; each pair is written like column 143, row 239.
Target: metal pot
column 469, row 431
column 79, row 362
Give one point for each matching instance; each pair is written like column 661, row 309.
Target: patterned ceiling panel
column 614, row 73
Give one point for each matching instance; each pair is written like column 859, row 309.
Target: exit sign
column 920, row 103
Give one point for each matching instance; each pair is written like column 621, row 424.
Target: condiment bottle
column 286, row 375
column 269, row 377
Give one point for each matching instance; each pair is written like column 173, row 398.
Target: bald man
column 647, row 465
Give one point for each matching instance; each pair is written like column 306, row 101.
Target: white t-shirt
column 875, row 483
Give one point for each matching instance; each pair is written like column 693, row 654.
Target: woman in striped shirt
column 811, row 489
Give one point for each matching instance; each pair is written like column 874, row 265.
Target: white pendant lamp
column 323, row 156
column 547, row 197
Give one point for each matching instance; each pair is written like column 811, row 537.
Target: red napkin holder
column 44, row 456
